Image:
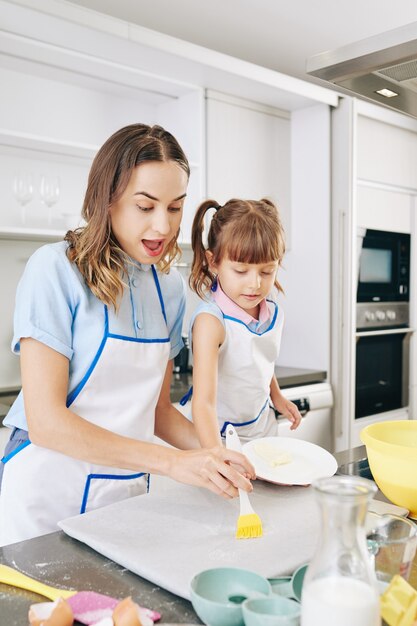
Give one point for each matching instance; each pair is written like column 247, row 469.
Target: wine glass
column 49, row 190
column 23, row 191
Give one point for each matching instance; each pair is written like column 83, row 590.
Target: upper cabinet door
column 248, row 151
column 386, row 153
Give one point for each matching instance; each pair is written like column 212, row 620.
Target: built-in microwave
column 384, row 267
column 383, row 279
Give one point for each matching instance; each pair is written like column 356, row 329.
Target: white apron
column 119, row 392
column 246, row 367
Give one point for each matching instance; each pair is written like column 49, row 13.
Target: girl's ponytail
column 201, row 278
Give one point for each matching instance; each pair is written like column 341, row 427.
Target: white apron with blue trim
column 119, row 392
column 246, row 367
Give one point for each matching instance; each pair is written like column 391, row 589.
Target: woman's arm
column 52, row 425
column 284, row 406
column 207, row 336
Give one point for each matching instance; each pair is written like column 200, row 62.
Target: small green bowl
column 297, row 581
column 282, row 586
column 273, row 611
column 289, row 586
column 217, row 594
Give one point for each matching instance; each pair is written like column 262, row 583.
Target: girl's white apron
column 119, row 392
column 246, row 366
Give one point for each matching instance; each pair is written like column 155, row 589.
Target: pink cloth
column 229, row 307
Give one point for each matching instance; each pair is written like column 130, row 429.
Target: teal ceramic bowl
column 289, row 586
column 282, row 586
column 273, row 611
column 217, row 594
column 297, row 582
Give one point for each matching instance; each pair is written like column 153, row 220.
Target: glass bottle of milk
column 340, row 587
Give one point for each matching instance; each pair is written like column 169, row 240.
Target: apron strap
column 158, row 288
column 186, row 397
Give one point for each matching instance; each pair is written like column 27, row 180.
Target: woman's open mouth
column 153, row 247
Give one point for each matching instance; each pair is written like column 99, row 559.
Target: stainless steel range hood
column 384, row 62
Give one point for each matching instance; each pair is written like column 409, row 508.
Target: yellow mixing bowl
column 392, row 454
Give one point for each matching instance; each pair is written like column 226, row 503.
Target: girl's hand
column 289, row 410
column 211, row 468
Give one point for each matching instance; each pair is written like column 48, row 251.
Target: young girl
column 97, row 324
column 236, row 334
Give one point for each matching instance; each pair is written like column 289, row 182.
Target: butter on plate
column 272, row 455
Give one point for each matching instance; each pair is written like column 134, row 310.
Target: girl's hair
column 94, row 248
column 246, row 231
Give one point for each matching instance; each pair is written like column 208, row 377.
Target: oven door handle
column 386, row 331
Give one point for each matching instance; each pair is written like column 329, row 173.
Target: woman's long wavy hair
column 246, row 231
column 94, row 248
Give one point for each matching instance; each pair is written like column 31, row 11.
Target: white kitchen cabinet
column 248, row 152
column 70, row 77
column 374, row 186
column 54, row 115
column 386, row 152
column 383, row 208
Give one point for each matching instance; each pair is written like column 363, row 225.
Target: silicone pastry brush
column 87, row 606
column 249, row 523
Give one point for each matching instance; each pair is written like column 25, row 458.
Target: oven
column 382, row 323
column 382, row 367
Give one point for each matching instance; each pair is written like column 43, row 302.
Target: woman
column 97, row 324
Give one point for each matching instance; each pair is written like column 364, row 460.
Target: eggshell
column 56, row 613
column 126, row 613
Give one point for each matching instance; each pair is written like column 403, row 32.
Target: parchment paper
column 171, row 534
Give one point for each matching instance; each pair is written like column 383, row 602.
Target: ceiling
column 278, row 34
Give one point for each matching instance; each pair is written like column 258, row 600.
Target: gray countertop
column 58, row 560
column 297, row 376
column 61, row 561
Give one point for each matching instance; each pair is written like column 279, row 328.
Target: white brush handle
column 232, row 439
column 233, row 443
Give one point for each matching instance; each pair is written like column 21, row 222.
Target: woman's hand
column 211, row 468
column 289, row 410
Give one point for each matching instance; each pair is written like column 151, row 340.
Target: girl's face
column 148, row 214
column 247, row 284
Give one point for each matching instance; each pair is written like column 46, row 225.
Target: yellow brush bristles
column 249, row 526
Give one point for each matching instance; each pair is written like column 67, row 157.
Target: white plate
column 308, row 461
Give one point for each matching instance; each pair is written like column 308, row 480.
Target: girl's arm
column 284, row 406
column 52, row 425
column 171, row 425
column 207, row 336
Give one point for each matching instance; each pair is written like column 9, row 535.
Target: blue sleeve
column 45, row 301
column 206, row 307
column 175, row 332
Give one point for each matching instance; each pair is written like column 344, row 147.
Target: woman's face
column 148, row 214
